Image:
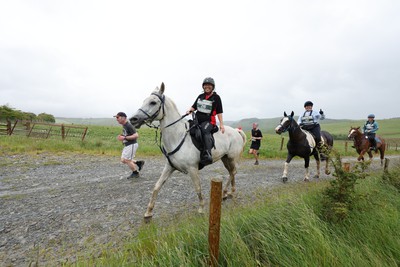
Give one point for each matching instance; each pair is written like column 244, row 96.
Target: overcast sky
column 91, row 59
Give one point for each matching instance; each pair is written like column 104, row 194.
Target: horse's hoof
column 284, row 179
column 306, row 180
column 316, row 177
column 227, row 196
column 147, row 219
column 327, row 172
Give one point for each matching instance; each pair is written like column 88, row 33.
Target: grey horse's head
column 152, row 108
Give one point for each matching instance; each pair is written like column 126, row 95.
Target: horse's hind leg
column 230, row 165
column 327, row 171
column 168, row 170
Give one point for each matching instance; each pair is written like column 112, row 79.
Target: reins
column 159, row 143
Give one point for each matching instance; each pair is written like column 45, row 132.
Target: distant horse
column 301, row 143
column 182, row 155
column 362, row 144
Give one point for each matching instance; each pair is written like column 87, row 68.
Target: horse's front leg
column 361, row 156
column 306, row 165
column 166, row 173
column 286, row 167
column 194, row 175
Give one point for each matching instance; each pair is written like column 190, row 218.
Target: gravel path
column 52, row 206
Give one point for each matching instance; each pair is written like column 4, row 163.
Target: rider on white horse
column 207, row 105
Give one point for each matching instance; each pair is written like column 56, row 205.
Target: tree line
column 9, row 113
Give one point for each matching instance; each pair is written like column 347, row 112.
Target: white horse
column 179, row 149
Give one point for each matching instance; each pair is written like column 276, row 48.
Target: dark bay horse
column 301, row 143
column 178, row 148
column 362, row 144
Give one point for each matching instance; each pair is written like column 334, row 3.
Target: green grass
column 284, row 227
column 102, row 140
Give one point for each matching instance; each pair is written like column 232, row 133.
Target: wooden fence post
column 345, row 147
column 84, row 134
column 62, row 131
column 215, row 219
column 346, row 166
column 282, row 140
column 386, row 167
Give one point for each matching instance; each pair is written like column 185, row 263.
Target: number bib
column 204, row 106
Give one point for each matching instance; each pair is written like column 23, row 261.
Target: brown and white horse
column 362, row 144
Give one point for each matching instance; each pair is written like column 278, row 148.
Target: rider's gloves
column 321, row 112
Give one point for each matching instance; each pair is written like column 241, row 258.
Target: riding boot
column 373, row 144
column 206, row 157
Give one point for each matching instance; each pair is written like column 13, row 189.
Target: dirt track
column 52, row 206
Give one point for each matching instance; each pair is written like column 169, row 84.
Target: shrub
column 340, row 196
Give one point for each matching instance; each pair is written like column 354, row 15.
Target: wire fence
column 42, row 130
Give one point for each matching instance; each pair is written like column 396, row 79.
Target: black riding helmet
column 209, row 80
column 308, row 103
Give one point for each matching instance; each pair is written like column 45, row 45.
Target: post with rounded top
column 215, row 219
column 282, row 140
column 386, row 166
column 62, row 132
column 346, row 166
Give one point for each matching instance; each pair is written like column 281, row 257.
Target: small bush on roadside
column 340, row 196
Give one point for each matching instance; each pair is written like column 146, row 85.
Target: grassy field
column 102, row 140
column 284, row 227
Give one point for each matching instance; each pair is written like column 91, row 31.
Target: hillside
column 88, row 121
column 388, row 127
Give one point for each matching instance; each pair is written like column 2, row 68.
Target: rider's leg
column 206, row 157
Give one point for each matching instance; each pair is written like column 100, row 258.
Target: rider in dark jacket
column 369, row 129
column 207, row 106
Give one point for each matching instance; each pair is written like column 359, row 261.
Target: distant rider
column 369, row 129
column 310, row 121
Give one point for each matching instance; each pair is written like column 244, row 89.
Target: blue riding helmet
column 371, row 116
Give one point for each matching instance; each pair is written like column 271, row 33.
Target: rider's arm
column 221, row 122
column 376, row 127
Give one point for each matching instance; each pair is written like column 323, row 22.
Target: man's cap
column 120, row 114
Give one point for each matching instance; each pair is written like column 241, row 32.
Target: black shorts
column 255, row 146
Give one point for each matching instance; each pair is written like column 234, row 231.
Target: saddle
column 197, row 137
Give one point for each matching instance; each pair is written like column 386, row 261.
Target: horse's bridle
column 287, row 127
column 150, row 118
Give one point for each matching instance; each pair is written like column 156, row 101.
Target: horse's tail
column 243, row 136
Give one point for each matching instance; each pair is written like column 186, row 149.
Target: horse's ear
column 284, row 114
column 291, row 114
column 162, row 88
